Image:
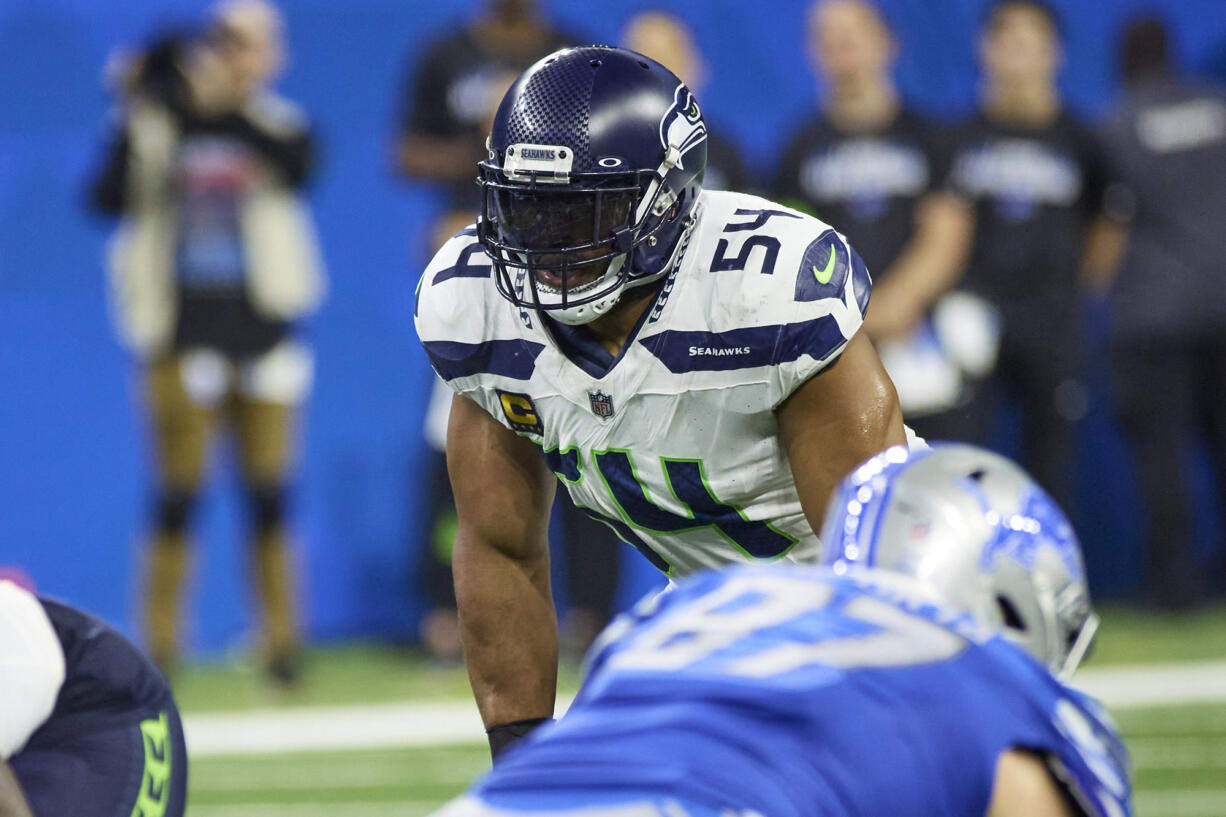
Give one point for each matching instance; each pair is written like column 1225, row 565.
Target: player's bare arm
column 836, row 420
column 12, row 801
column 1025, row 787
column 503, row 494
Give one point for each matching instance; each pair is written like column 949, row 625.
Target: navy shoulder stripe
column 861, row 281
column 515, row 359
column 747, row 348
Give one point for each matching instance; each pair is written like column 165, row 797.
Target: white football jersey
column 677, row 447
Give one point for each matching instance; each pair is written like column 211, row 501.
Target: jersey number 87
column 697, row 633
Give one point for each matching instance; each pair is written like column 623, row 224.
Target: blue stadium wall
column 73, row 452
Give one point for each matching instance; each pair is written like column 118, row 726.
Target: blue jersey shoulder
column 808, row 683
column 1093, row 762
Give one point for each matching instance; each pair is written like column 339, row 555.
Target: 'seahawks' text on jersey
column 788, row 691
column 677, row 446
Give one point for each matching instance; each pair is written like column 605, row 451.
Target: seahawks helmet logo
column 682, row 126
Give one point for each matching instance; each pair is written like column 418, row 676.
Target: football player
column 88, row 726
column 917, row 672
column 687, row 362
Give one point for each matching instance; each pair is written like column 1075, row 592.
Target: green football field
column 375, row 731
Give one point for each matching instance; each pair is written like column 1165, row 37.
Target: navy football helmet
column 596, row 159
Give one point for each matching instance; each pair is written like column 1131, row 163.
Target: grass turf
column 1179, row 753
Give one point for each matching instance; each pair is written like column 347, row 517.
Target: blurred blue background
column 73, row 455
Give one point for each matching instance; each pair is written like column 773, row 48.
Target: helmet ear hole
column 1010, row 615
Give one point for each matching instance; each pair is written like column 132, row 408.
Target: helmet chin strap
column 579, row 315
column 586, row 313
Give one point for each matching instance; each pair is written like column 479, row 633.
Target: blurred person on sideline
column 88, row 725
column 1165, row 145
column 452, row 95
column 214, row 262
column 875, row 169
column 669, row 41
column 1032, row 173
column 449, row 95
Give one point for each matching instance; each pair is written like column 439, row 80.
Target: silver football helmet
column 979, row 534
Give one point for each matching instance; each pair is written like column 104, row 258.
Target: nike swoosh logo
column 825, row 273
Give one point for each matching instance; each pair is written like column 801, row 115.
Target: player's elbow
column 479, row 553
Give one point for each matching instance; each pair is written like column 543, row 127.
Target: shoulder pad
column 441, row 311
column 790, row 262
column 1093, row 763
column 464, row 326
column 778, row 282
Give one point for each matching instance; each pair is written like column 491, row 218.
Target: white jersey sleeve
column 471, row 336
column 448, row 306
column 31, row 667
column 830, row 299
column 789, row 291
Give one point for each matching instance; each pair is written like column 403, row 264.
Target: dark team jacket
column 451, row 92
column 1034, row 192
column 1166, row 162
column 865, row 184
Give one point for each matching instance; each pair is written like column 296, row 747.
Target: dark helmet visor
column 541, row 220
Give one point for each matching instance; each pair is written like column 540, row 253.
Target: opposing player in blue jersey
column 917, row 673
column 687, row 362
column 88, row 726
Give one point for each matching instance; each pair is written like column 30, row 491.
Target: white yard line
column 424, row 724
column 360, row 726
column 1153, row 685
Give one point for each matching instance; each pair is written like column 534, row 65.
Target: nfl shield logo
column 602, row 404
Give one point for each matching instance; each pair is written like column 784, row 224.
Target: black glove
column 505, row 734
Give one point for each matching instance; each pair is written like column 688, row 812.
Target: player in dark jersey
column 88, row 727
column 875, row 170
column 916, row 673
column 1033, row 174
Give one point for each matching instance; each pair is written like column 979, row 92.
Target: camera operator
column 214, row 262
